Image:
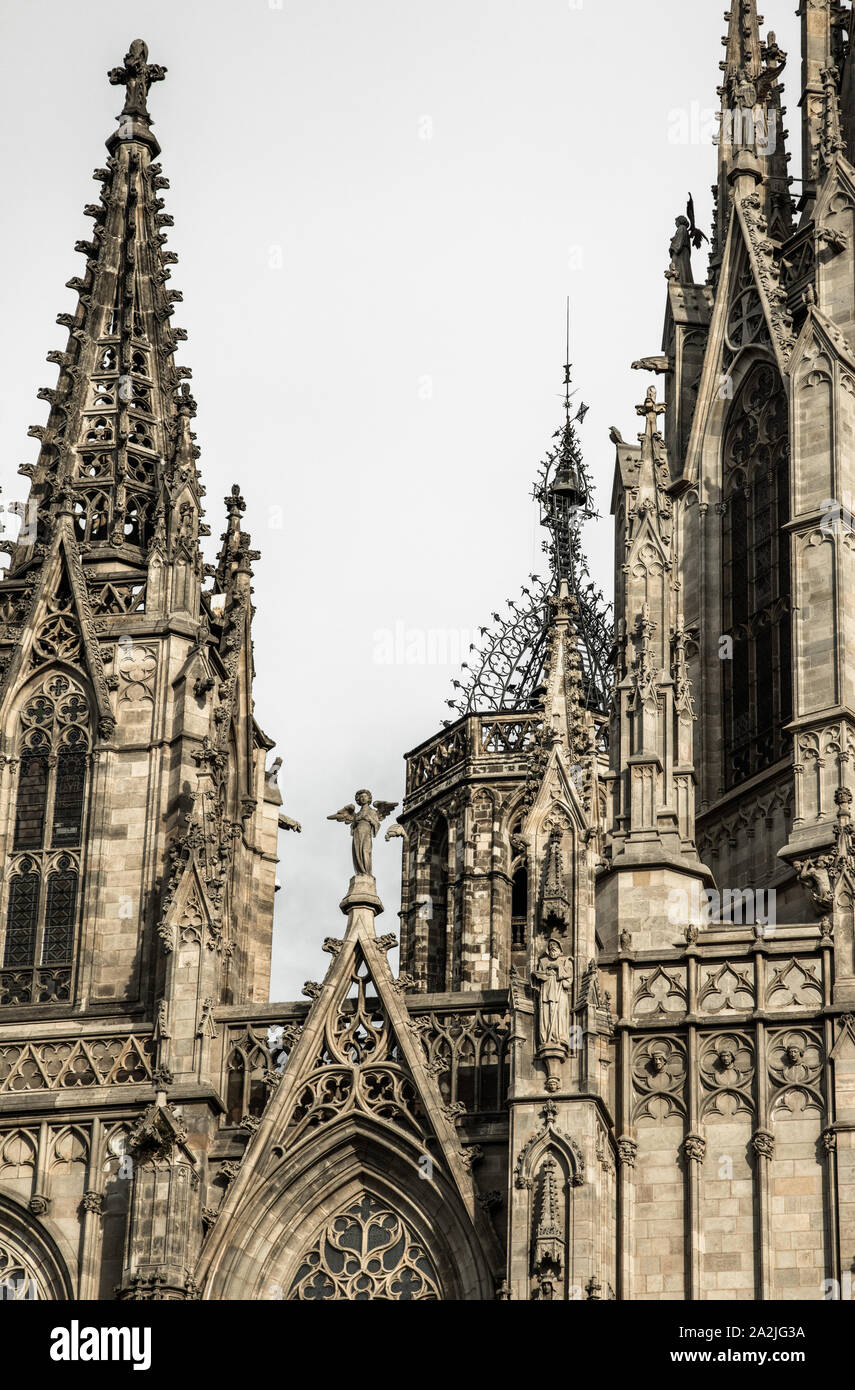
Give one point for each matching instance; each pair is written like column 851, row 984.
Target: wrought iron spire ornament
column 507, row 671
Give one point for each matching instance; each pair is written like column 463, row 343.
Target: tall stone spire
column 117, row 450
column 751, row 138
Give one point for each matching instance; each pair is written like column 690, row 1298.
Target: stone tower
column 138, row 829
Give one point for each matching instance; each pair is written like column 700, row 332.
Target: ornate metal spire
column 507, row 671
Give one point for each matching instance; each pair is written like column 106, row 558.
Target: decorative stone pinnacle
column 651, row 409
column 137, row 76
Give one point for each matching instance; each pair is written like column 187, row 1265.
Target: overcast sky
column 379, row 209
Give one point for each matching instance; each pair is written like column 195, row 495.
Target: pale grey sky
column 379, row 209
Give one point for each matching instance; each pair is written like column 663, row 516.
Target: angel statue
column 364, row 825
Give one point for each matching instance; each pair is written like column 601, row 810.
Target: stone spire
column 117, row 450
column 751, row 138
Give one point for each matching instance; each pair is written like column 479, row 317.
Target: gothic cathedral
column 618, row 1060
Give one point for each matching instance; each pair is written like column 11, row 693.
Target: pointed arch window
column 246, row 1089
column 92, row 517
column 137, row 514
column 757, row 671
column 437, row 922
column 519, row 907
column 42, row 906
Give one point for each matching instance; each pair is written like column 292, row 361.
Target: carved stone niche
column 552, row 978
column 556, row 914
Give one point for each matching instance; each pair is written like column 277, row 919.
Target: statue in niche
column 553, row 979
column 364, row 825
column 554, row 975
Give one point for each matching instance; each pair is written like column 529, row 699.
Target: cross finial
column 137, row 75
column 651, row 410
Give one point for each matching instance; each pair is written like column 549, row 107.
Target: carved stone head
column 658, row 1061
column 553, row 948
column 793, row 1054
column 726, row 1058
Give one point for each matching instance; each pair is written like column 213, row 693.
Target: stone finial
column 136, row 75
column 651, row 409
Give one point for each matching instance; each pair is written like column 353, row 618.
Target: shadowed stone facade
column 619, row 1058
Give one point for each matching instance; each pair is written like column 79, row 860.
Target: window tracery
column 757, row 673
column 367, row 1252
column 437, row 923
column 44, row 877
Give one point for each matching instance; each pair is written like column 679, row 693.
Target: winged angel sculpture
column 364, row 824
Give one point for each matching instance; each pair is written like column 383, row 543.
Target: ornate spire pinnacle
column 548, row 1259
column 825, row 61
column 117, row 444
column 744, row 49
column 751, row 135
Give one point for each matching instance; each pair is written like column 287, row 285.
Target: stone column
column 694, row 1151
column 627, row 1154
column 763, row 1145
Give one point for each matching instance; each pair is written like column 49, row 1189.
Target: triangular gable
column 820, row 330
column 844, row 1047
column 737, row 256
column 766, row 273
column 839, row 179
column 365, row 1060
column 187, row 904
column 63, row 562
column 556, row 787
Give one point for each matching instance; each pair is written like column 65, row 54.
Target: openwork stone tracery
column 368, row 1252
